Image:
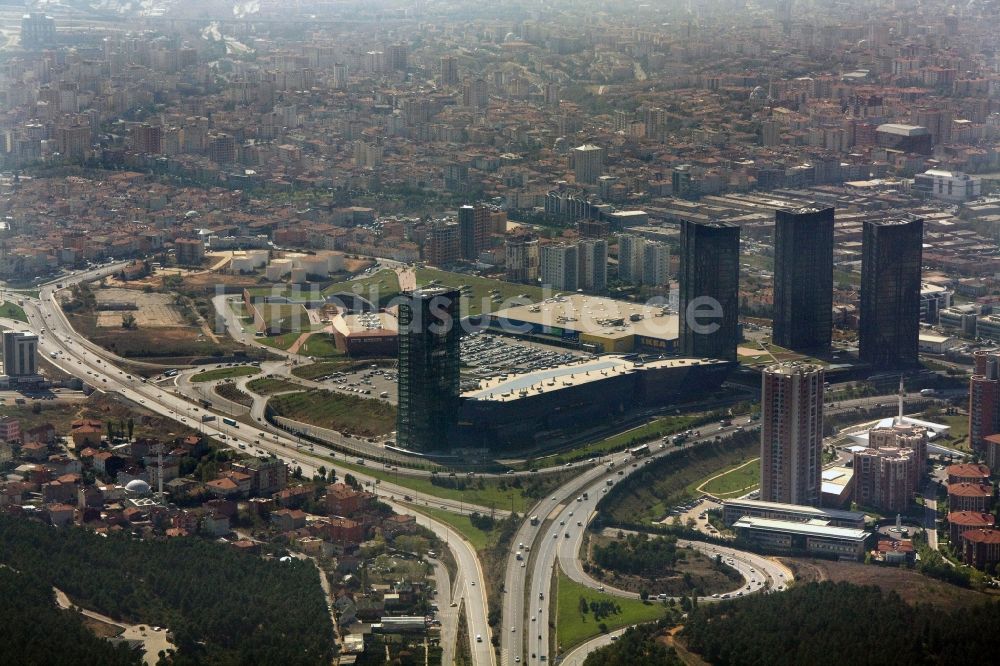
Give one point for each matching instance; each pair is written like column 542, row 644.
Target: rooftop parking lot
column 486, row 355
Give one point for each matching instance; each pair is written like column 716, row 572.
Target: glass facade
column 709, row 287
column 889, row 330
column 429, row 333
column 803, row 278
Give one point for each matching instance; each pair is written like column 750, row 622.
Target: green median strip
column 481, row 492
column 225, row 373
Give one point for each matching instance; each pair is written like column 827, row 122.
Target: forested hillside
column 837, row 624
column 223, row 606
column 35, row 632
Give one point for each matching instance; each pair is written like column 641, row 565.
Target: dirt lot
column 153, row 310
column 911, row 586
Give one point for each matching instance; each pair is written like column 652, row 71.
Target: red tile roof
column 969, row 470
column 982, row 536
column 970, row 518
column 970, row 489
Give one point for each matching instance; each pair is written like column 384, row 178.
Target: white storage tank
column 258, row 257
column 278, row 269
column 241, row 264
column 334, row 261
column 313, row 265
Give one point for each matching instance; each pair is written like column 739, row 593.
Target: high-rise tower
column 803, row 278
column 429, row 333
column 791, row 433
column 709, row 289
column 892, row 250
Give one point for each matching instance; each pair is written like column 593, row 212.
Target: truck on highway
column 230, row 422
column 640, row 450
column 534, row 520
column 205, row 418
column 928, row 391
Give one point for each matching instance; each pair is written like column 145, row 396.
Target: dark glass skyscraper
column 429, row 334
column 803, row 278
column 709, row 287
column 892, row 250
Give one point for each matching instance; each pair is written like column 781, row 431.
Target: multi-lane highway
column 561, row 518
column 82, row 359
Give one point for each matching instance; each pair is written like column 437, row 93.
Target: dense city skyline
column 434, row 332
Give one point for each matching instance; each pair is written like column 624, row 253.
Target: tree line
column 839, row 623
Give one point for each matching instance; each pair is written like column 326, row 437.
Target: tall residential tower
column 791, row 433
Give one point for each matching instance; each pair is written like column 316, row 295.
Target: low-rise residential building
column 10, row 429
column 342, row 500
column 215, row 524
column 286, row 520
column 970, row 497
column 960, row 522
column 267, row 475
column 981, row 548
column 968, row 473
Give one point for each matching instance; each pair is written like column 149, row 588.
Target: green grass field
column 758, row 261
column 479, row 539
column 270, row 385
column 846, row 277
column 958, row 436
column 283, row 341
column 320, row 345
column 225, row 373
column 337, row 411
column 735, row 482
column 284, row 317
column 652, row 499
column 378, row 288
column 573, row 627
column 479, row 299
column 13, row 311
